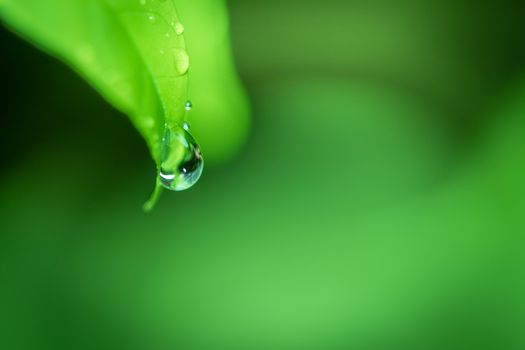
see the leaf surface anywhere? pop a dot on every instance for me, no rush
(132, 52)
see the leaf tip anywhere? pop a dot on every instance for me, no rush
(153, 199)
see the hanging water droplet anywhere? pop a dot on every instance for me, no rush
(152, 18)
(188, 105)
(182, 61)
(186, 125)
(179, 28)
(181, 160)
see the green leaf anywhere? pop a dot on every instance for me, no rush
(220, 117)
(132, 52)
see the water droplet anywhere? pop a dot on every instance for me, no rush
(182, 61)
(181, 159)
(179, 28)
(188, 105)
(186, 125)
(152, 18)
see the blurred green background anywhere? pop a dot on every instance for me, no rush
(377, 203)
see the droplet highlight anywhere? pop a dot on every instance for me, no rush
(186, 126)
(181, 159)
(152, 18)
(188, 106)
(179, 28)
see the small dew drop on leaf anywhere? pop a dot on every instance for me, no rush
(152, 18)
(182, 61)
(179, 28)
(186, 126)
(181, 160)
(188, 105)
